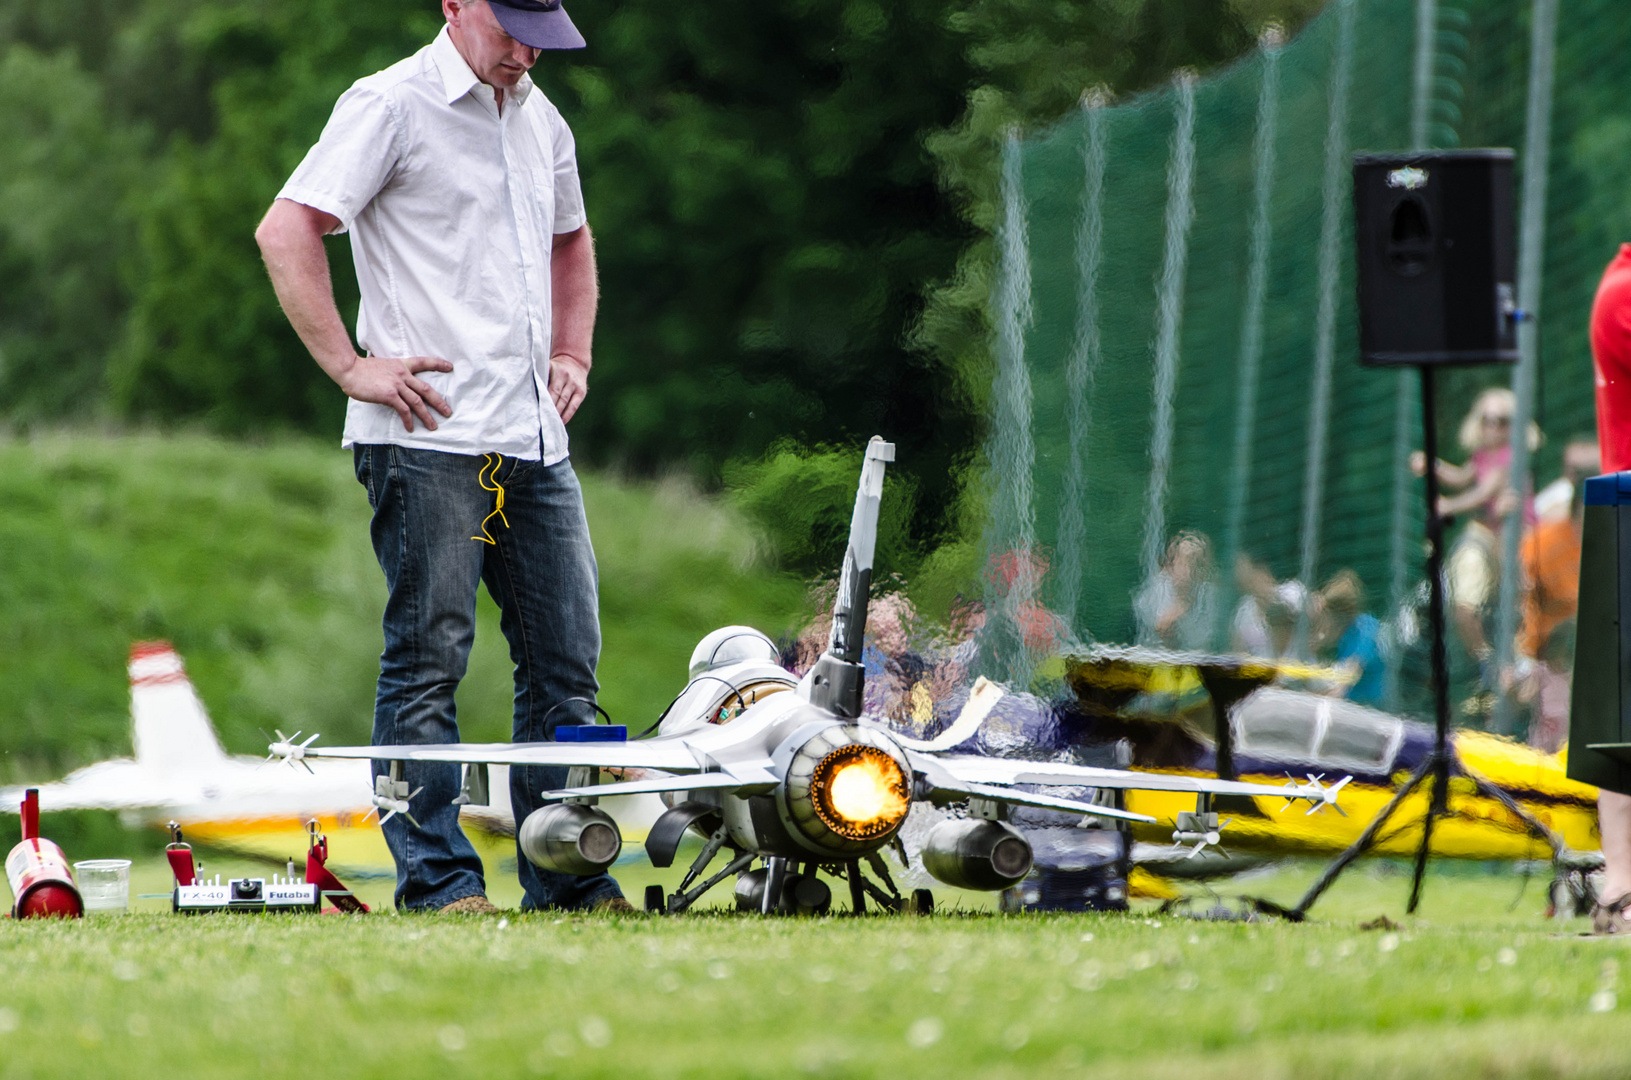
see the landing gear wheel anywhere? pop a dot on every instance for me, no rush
(655, 901)
(806, 894)
(922, 902)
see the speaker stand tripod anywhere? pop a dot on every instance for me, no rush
(1441, 763)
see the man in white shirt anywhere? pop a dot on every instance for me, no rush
(458, 182)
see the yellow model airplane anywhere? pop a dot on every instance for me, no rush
(1255, 731)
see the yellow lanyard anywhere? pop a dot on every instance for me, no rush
(489, 482)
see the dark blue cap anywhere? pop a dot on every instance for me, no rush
(1611, 490)
(541, 24)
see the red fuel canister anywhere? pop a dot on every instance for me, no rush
(38, 872)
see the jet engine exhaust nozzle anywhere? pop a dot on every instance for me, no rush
(859, 792)
(970, 854)
(847, 790)
(570, 838)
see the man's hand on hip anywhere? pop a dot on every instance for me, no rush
(291, 240)
(568, 384)
(390, 381)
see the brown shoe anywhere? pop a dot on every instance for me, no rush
(470, 905)
(1610, 918)
(615, 906)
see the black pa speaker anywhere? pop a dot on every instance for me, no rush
(1437, 262)
(1600, 707)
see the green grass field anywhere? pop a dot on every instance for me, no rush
(1469, 988)
(254, 561)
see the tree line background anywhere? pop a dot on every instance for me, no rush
(792, 203)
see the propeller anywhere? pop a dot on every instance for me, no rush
(287, 749)
(392, 795)
(1318, 795)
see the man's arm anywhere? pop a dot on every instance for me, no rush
(575, 294)
(291, 243)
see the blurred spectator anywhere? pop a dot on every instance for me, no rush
(1174, 607)
(812, 640)
(1018, 575)
(1483, 490)
(1342, 627)
(889, 653)
(911, 665)
(1266, 616)
(1550, 557)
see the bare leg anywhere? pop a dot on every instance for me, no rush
(1614, 819)
(1470, 626)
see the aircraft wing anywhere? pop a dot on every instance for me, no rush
(721, 781)
(1051, 802)
(63, 796)
(968, 769)
(945, 786)
(669, 755)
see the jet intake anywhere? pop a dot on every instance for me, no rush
(570, 838)
(973, 854)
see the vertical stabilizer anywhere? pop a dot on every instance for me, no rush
(170, 728)
(836, 681)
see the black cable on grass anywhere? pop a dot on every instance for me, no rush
(563, 701)
(1523, 884)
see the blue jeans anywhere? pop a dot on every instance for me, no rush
(541, 571)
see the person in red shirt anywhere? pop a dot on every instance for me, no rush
(1611, 357)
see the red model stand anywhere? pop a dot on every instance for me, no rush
(319, 874)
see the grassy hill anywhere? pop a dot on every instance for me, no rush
(254, 561)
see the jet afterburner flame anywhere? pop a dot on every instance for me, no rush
(860, 792)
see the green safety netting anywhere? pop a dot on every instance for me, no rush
(1176, 328)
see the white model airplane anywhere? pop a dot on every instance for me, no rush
(789, 773)
(181, 773)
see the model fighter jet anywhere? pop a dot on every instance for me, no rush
(788, 772)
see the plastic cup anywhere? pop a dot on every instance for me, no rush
(104, 885)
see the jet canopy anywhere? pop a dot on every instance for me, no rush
(732, 645)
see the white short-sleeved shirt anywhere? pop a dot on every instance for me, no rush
(453, 209)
